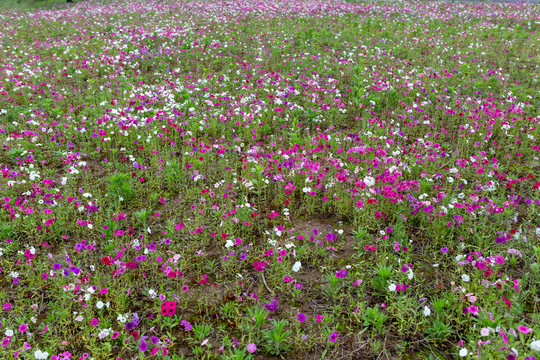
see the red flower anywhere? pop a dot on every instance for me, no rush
(131, 265)
(135, 334)
(107, 260)
(168, 308)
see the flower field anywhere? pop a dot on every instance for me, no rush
(242, 179)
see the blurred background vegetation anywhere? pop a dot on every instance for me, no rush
(30, 4)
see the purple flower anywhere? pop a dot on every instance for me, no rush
(57, 266)
(272, 306)
(404, 269)
(444, 250)
(143, 346)
(301, 317)
(333, 337)
(130, 326)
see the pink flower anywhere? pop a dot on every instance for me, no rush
(523, 329)
(473, 310)
(168, 308)
(505, 338)
(251, 348)
(23, 328)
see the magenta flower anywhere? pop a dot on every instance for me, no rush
(251, 348)
(23, 328)
(333, 337)
(94, 322)
(524, 329)
(301, 317)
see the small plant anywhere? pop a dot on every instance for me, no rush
(332, 286)
(439, 305)
(120, 187)
(438, 330)
(201, 331)
(276, 338)
(237, 354)
(373, 318)
(383, 273)
(142, 216)
(257, 317)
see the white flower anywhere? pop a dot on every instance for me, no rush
(229, 243)
(410, 274)
(297, 265)
(535, 345)
(463, 352)
(465, 277)
(86, 195)
(538, 231)
(427, 311)
(9, 332)
(485, 331)
(514, 351)
(100, 304)
(369, 181)
(121, 318)
(79, 318)
(392, 287)
(41, 354)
